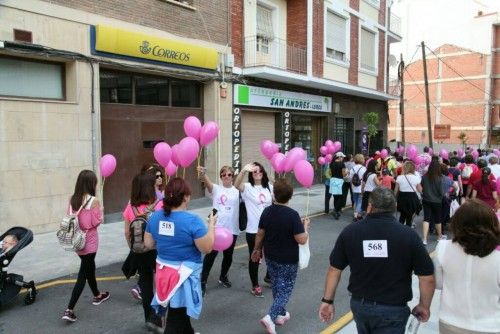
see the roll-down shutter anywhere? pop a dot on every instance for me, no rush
(255, 127)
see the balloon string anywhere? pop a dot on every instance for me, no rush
(307, 205)
(199, 156)
(184, 172)
(102, 187)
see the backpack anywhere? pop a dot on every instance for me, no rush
(467, 172)
(137, 228)
(356, 180)
(69, 234)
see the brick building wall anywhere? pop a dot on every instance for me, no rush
(318, 41)
(454, 100)
(208, 21)
(354, 57)
(237, 18)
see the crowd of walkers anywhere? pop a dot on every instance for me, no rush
(172, 246)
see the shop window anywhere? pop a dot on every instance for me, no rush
(186, 94)
(336, 37)
(32, 79)
(151, 90)
(116, 87)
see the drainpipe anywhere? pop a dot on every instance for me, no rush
(309, 38)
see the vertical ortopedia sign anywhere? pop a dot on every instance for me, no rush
(286, 131)
(236, 140)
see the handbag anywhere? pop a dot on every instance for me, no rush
(69, 234)
(336, 186)
(419, 208)
(129, 267)
(242, 219)
(304, 255)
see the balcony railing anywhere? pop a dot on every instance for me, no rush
(276, 53)
(395, 24)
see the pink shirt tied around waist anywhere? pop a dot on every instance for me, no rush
(89, 220)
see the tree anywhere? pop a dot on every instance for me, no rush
(463, 139)
(371, 120)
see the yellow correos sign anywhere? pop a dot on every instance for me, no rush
(138, 45)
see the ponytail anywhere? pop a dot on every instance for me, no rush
(175, 192)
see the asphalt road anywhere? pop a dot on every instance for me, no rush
(225, 311)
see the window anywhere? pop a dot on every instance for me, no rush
(32, 79)
(265, 32)
(116, 87)
(185, 94)
(367, 50)
(151, 90)
(336, 37)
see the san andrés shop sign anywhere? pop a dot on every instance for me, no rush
(280, 99)
(115, 41)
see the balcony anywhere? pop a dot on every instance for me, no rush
(395, 26)
(275, 53)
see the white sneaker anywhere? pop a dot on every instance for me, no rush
(443, 237)
(268, 324)
(424, 242)
(282, 319)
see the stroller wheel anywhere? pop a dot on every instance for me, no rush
(31, 294)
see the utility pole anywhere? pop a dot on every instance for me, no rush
(401, 70)
(427, 103)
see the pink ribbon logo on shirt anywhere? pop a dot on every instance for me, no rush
(223, 199)
(262, 198)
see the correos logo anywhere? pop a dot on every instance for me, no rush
(158, 51)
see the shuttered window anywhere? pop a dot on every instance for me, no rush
(336, 37)
(264, 22)
(256, 126)
(367, 48)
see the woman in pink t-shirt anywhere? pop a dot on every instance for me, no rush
(90, 217)
(143, 200)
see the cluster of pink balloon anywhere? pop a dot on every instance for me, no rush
(295, 160)
(328, 150)
(186, 151)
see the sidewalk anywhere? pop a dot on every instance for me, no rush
(45, 260)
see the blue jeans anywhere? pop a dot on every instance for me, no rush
(357, 201)
(374, 318)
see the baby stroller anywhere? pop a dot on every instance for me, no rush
(11, 284)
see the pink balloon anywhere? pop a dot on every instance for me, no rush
(268, 148)
(496, 152)
(431, 151)
(223, 239)
(411, 151)
(337, 145)
(162, 153)
(209, 131)
(323, 150)
(401, 150)
(187, 151)
(331, 149)
(321, 160)
(328, 158)
(460, 153)
(192, 127)
(107, 165)
(368, 161)
(304, 173)
(175, 155)
(475, 154)
(328, 142)
(417, 159)
(277, 162)
(443, 153)
(294, 155)
(171, 168)
(383, 153)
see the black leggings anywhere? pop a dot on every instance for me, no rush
(178, 322)
(227, 260)
(145, 268)
(253, 267)
(86, 273)
(406, 218)
(328, 196)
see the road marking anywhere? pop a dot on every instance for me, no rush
(339, 324)
(73, 280)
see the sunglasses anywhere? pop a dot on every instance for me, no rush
(227, 174)
(158, 176)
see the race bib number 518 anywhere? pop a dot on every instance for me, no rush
(375, 248)
(166, 228)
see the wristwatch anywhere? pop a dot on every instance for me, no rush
(328, 301)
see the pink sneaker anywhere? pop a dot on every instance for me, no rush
(282, 319)
(268, 324)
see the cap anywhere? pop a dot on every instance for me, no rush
(339, 155)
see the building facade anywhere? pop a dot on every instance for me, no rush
(335, 52)
(464, 91)
(81, 79)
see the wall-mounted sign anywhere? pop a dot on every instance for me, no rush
(286, 131)
(236, 140)
(138, 45)
(442, 131)
(280, 99)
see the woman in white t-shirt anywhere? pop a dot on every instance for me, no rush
(359, 170)
(407, 191)
(257, 194)
(370, 182)
(226, 199)
(467, 270)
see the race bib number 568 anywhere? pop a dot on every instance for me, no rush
(375, 248)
